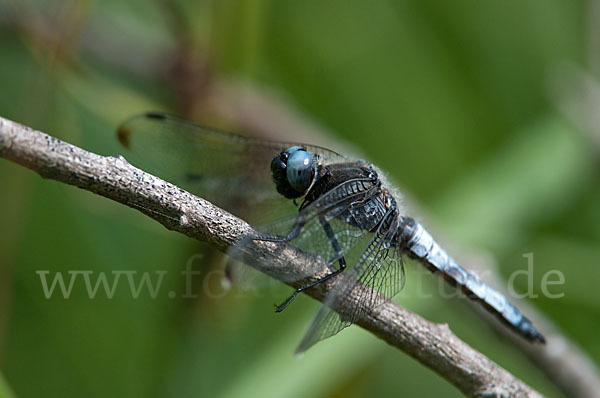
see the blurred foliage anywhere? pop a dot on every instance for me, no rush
(455, 100)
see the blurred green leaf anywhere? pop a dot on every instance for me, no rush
(543, 170)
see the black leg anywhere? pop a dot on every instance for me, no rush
(334, 242)
(341, 262)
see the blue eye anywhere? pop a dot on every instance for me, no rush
(300, 171)
(293, 149)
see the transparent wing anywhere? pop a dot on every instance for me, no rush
(245, 278)
(327, 227)
(377, 276)
(230, 170)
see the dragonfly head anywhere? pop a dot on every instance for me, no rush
(293, 172)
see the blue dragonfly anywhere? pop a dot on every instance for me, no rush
(336, 207)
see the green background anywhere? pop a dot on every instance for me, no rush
(474, 107)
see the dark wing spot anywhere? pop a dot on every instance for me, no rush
(155, 115)
(123, 134)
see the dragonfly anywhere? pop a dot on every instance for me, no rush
(338, 208)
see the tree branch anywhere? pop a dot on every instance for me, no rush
(433, 345)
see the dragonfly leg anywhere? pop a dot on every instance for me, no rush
(341, 262)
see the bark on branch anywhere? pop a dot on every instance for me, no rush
(434, 345)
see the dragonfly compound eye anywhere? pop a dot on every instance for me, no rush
(300, 171)
(278, 166)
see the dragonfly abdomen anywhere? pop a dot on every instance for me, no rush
(421, 246)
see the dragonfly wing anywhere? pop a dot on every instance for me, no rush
(326, 228)
(245, 278)
(377, 276)
(229, 170)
